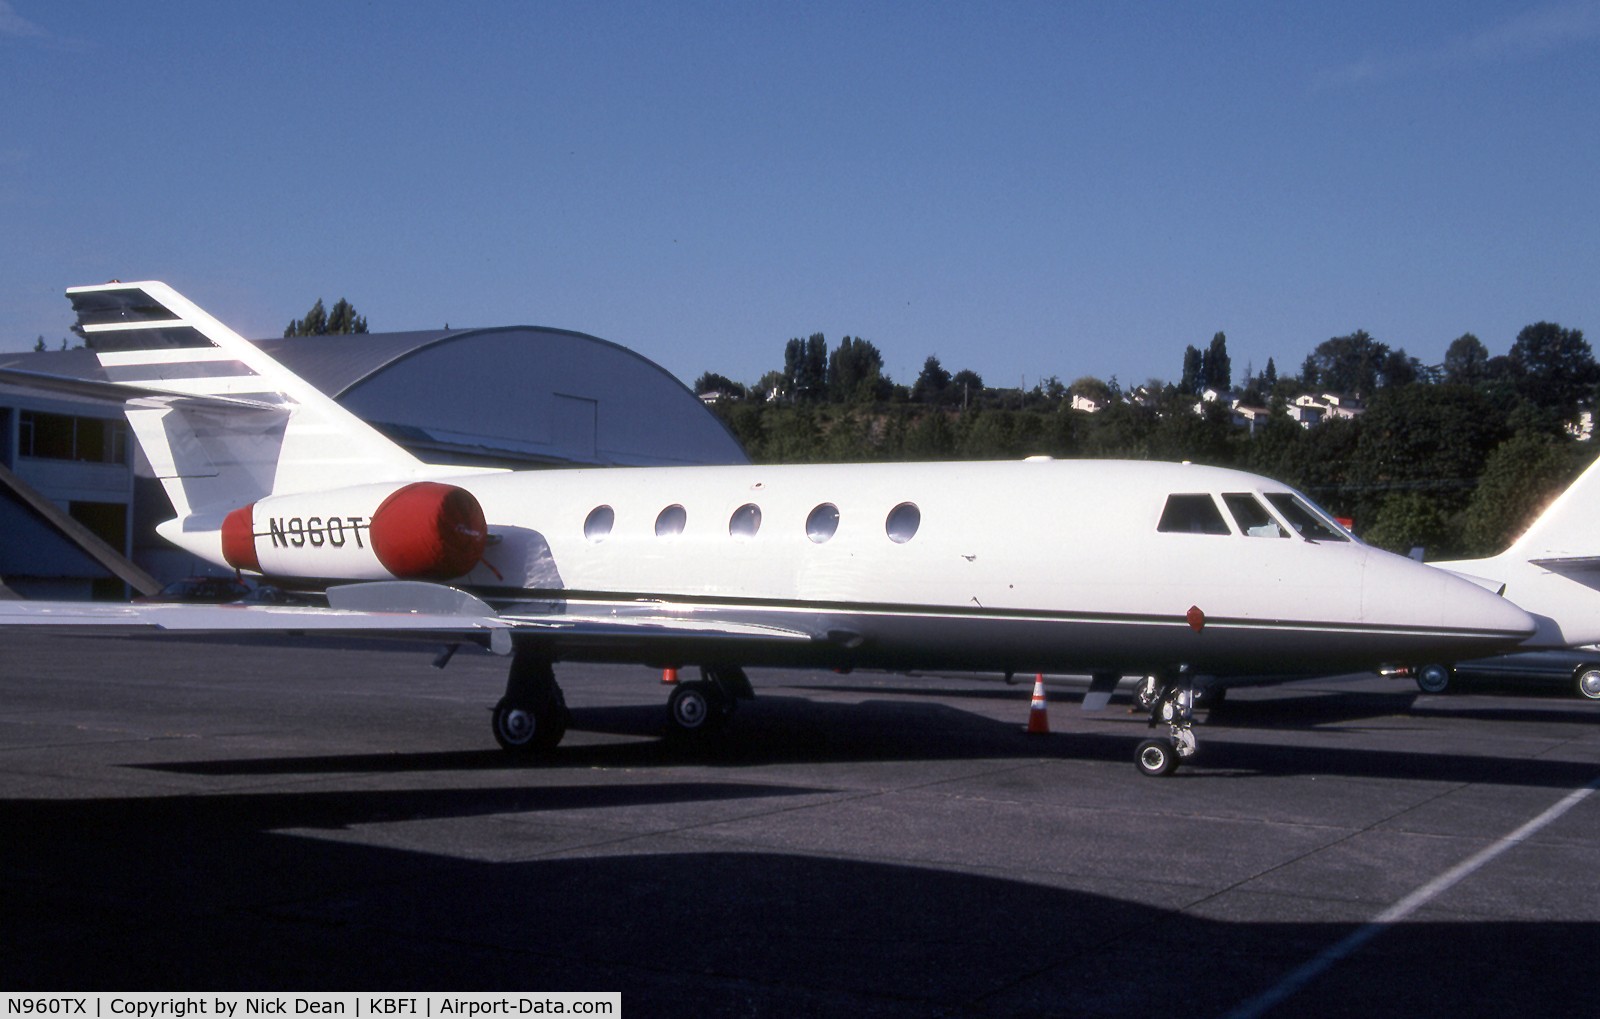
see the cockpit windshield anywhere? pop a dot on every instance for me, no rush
(1192, 514)
(1252, 517)
(1305, 518)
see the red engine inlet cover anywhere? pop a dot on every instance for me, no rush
(239, 539)
(429, 531)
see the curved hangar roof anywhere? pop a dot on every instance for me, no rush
(515, 395)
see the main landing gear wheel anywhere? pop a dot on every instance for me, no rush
(1157, 757)
(1433, 678)
(529, 728)
(532, 717)
(698, 708)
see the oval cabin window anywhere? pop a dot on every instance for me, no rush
(903, 522)
(823, 521)
(746, 521)
(671, 521)
(598, 524)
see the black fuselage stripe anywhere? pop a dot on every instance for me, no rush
(668, 602)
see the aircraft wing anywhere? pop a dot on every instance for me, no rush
(403, 610)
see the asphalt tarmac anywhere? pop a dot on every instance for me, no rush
(268, 816)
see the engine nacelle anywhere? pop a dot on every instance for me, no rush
(423, 530)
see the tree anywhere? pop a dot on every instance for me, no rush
(1270, 376)
(771, 386)
(343, 319)
(1409, 520)
(805, 368)
(1189, 384)
(1519, 480)
(855, 373)
(1310, 375)
(931, 438)
(1466, 361)
(711, 382)
(1349, 364)
(38, 344)
(1217, 368)
(1399, 369)
(932, 383)
(1555, 366)
(1091, 388)
(965, 385)
(1432, 440)
(318, 322)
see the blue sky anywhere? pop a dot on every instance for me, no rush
(1024, 189)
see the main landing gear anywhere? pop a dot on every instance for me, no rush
(532, 717)
(1171, 702)
(703, 706)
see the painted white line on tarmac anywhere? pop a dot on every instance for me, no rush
(1405, 907)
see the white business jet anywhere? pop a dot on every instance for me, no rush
(1111, 568)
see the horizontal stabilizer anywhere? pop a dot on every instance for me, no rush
(1570, 564)
(122, 391)
(202, 426)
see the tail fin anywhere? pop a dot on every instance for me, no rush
(1569, 528)
(1553, 570)
(222, 423)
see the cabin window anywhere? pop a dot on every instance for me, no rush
(1252, 517)
(823, 521)
(903, 522)
(1303, 518)
(1192, 514)
(670, 521)
(598, 524)
(746, 521)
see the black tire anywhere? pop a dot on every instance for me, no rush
(697, 708)
(1157, 757)
(1588, 684)
(1433, 679)
(529, 729)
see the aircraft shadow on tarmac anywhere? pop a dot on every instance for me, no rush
(782, 730)
(207, 893)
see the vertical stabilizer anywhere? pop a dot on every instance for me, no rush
(1553, 570)
(1569, 528)
(222, 423)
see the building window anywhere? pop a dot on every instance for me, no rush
(65, 437)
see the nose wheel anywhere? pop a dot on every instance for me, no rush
(1171, 703)
(1157, 757)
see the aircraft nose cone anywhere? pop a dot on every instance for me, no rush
(1467, 620)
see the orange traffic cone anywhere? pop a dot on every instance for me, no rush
(669, 675)
(1038, 718)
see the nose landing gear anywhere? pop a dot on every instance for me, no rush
(1171, 702)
